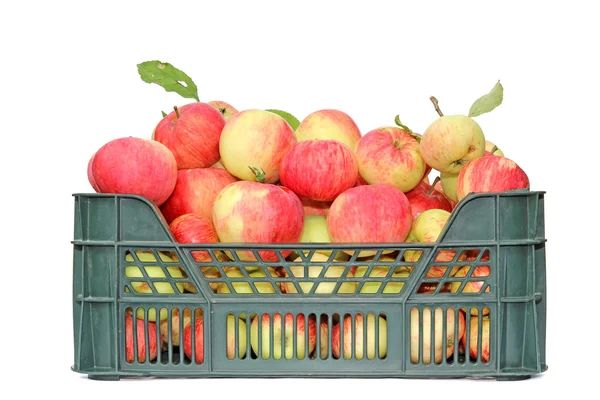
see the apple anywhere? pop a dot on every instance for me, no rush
(420, 324)
(137, 166)
(425, 197)
(360, 181)
(218, 164)
(329, 124)
(226, 109)
(243, 287)
(141, 339)
(314, 270)
(489, 146)
(429, 225)
(490, 174)
(315, 231)
(175, 326)
(314, 207)
(252, 144)
(242, 333)
(358, 338)
(451, 141)
(474, 336)
(198, 340)
(192, 133)
(90, 175)
(276, 336)
(390, 155)
(195, 192)
(380, 271)
(377, 213)
(482, 271)
(449, 181)
(253, 212)
(194, 228)
(156, 275)
(324, 340)
(319, 169)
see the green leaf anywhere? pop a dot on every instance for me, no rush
(164, 114)
(488, 102)
(169, 77)
(293, 121)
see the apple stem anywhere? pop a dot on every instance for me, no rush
(176, 111)
(494, 149)
(259, 173)
(401, 125)
(435, 181)
(436, 105)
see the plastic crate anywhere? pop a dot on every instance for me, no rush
(126, 263)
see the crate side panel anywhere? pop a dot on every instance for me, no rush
(517, 271)
(98, 217)
(540, 290)
(139, 221)
(513, 329)
(513, 218)
(474, 221)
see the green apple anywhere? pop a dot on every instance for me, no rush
(241, 336)
(451, 141)
(448, 181)
(313, 272)
(287, 336)
(315, 231)
(422, 321)
(429, 224)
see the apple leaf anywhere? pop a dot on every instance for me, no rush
(169, 77)
(293, 121)
(488, 102)
(164, 114)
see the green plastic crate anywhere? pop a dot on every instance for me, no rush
(127, 264)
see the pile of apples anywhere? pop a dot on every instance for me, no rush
(217, 174)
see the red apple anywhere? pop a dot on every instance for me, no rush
(91, 175)
(314, 207)
(390, 155)
(425, 197)
(141, 339)
(192, 133)
(226, 109)
(376, 213)
(132, 165)
(194, 228)
(329, 124)
(319, 169)
(252, 212)
(195, 192)
(490, 174)
(198, 340)
(253, 142)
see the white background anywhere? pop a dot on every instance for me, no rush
(70, 84)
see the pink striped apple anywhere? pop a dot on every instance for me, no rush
(390, 155)
(451, 141)
(253, 212)
(319, 169)
(490, 174)
(192, 133)
(283, 336)
(329, 124)
(376, 213)
(195, 192)
(425, 197)
(194, 228)
(252, 144)
(132, 165)
(226, 109)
